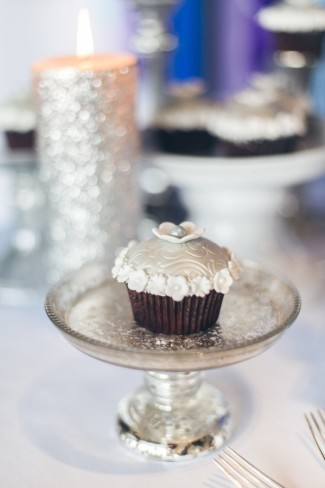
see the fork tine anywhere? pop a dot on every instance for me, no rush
(321, 422)
(322, 417)
(251, 468)
(235, 471)
(242, 471)
(231, 472)
(316, 426)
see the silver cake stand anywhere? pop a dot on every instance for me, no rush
(175, 415)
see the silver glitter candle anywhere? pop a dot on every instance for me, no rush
(88, 148)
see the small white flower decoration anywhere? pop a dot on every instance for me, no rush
(138, 280)
(200, 286)
(186, 231)
(120, 259)
(156, 284)
(222, 281)
(118, 264)
(177, 288)
(115, 271)
(123, 273)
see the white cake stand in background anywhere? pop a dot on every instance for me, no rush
(174, 416)
(239, 201)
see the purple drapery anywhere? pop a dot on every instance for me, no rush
(241, 47)
(233, 59)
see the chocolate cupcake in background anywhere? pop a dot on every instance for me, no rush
(275, 86)
(182, 129)
(181, 125)
(259, 122)
(18, 122)
(177, 280)
(297, 25)
(294, 99)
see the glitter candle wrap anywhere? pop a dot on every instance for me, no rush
(88, 147)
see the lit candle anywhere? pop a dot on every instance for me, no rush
(85, 42)
(85, 59)
(88, 147)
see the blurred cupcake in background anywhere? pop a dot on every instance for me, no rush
(295, 99)
(181, 125)
(18, 122)
(258, 122)
(298, 27)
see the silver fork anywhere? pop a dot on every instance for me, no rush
(242, 472)
(316, 425)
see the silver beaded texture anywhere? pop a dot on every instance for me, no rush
(89, 161)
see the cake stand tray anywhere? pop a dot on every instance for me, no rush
(281, 169)
(174, 416)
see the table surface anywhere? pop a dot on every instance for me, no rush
(57, 410)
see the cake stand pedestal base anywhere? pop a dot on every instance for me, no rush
(174, 416)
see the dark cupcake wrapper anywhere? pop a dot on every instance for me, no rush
(20, 140)
(283, 145)
(194, 142)
(304, 42)
(163, 315)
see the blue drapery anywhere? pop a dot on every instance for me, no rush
(188, 24)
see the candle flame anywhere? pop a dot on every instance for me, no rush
(85, 43)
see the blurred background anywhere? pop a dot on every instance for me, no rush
(186, 49)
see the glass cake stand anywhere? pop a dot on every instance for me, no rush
(175, 415)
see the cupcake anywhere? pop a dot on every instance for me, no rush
(181, 125)
(256, 122)
(298, 25)
(294, 97)
(289, 96)
(18, 122)
(177, 280)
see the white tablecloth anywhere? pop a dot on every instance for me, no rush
(57, 411)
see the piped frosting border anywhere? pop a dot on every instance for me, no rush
(283, 17)
(176, 287)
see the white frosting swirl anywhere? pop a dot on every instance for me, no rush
(18, 114)
(193, 267)
(186, 115)
(285, 17)
(254, 114)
